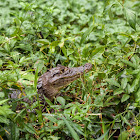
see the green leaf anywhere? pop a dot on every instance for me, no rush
(5, 110)
(43, 41)
(101, 75)
(1, 62)
(102, 137)
(14, 131)
(72, 131)
(135, 82)
(104, 127)
(70, 51)
(99, 100)
(64, 50)
(124, 83)
(118, 91)
(4, 120)
(128, 88)
(52, 49)
(113, 82)
(124, 135)
(2, 95)
(137, 95)
(125, 97)
(22, 60)
(3, 101)
(29, 128)
(53, 138)
(137, 130)
(61, 100)
(131, 17)
(98, 52)
(84, 36)
(39, 65)
(48, 101)
(125, 120)
(128, 63)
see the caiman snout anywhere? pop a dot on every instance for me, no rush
(88, 66)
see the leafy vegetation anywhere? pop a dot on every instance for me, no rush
(38, 35)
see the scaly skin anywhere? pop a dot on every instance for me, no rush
(50, 83)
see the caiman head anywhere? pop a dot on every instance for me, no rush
(50, 83)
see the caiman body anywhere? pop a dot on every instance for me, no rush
(51, 82)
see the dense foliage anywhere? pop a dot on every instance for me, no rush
(38, 35)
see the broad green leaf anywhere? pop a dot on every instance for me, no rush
(84, 36)
(128, 88)
(135, 82)
(109, 7)
(97, 52)
(134, 61)
(61, 100)
(43, 41)
(124, 83)
(125, 97)
(48, 101)
(78, 128)
(118, 91)
(52, 49)
(110, 13)
(99, 100)
(113, 82)
(43, 47)
(22, 60)
(137, 59)
(14, 131)
(5, 110)
(70, 51)
(1, 95)
(39, 65)
(64, 50)
(72, 131)
(3, 101)
(4, 120)
(131, 17)
(101, 75)
(128, 63)
(29, 128)
(27, 75)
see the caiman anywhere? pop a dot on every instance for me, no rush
(51, 82)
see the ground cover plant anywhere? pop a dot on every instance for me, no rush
(37, 35)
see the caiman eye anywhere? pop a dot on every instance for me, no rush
(57, 73)
(63, 70)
